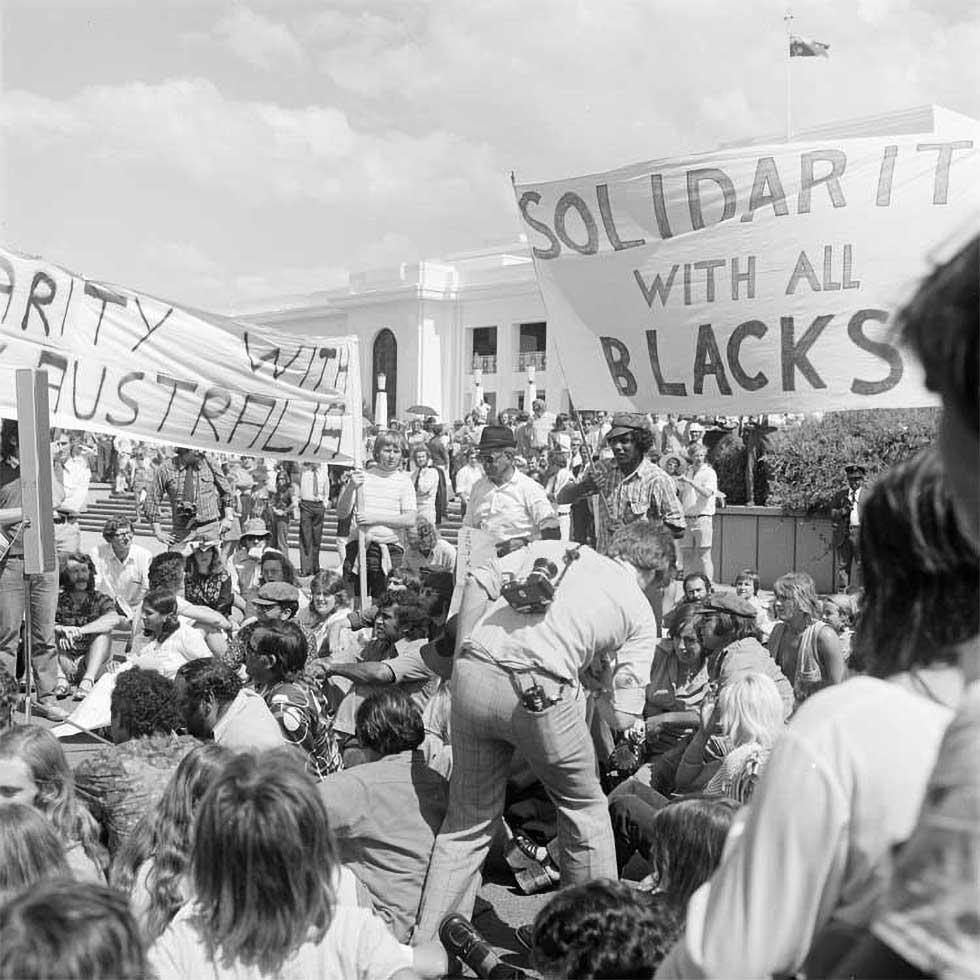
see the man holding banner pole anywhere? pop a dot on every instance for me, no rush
(35, 596)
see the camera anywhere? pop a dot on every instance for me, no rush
(534, 593)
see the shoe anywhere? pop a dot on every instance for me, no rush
(462, 939)
(84, 689)
(46, 708)
(525, 936)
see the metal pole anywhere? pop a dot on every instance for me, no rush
(28, 650)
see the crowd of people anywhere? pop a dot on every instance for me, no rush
(289, 782)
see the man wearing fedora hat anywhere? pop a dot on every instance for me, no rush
(846, 514)
(630, 486)
(508, 505)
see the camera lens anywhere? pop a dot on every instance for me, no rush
(545, 567)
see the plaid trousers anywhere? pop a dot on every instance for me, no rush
(488, 724)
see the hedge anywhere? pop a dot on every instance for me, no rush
(805, 464)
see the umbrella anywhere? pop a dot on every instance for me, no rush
(422, 410)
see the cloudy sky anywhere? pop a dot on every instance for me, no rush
(219, 153)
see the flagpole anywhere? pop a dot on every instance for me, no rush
(789, 77)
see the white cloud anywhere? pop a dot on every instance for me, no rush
(260, 41)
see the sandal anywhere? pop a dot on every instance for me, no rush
(84, 689)
(62, 689)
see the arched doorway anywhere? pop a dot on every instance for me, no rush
(385, 361)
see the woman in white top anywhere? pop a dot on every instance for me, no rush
(171, 643)
(389, 507)
(845, 782)
(425, 477)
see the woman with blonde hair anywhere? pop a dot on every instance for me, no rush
(752, 719)
(804, 647)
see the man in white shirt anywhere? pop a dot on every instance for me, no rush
(519, 683)
(509, 506)
(314, 488)
(697, 490)
(467, 477)
(122, 569)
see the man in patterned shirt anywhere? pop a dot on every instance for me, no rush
(200, 497)
(630, 487)
(274, 662)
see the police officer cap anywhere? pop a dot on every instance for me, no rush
(624, 422)
(728, 602)
(497, 437)
(854, 468)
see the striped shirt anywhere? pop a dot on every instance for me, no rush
(386, 497)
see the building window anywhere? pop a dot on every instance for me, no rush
(532, 342)
(521, 398)
(384, 361)
(484, 355)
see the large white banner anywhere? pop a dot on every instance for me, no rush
(121, 361)
(749, 280)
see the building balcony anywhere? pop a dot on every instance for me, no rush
(487, 363)
(532, 358)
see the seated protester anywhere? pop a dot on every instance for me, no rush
(327, 618)
(168, 644)
(386, 813)
(208, 583)
(726, 629)
(751, 718)
(84, 621)
(151, 866)
(275, 602)
(697, 586)
(215, 704)
(746, 586)
(851, 772)
(603, 929)
(34, 770)
(274, 566)
(751, 713)
(262, 870)
(30, 850)
(427, 550)
(402, 624)
(167, 573)
(251, 546)
(678, 683)
(121, 783)
(276, 657)
(806, 649)
(66, 928)
(683, 844)
(837, 612)
(122, 568)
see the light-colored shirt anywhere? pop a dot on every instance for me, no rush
(599, 623)
(248, 725)
(699, 502)
(466, 478)
(126, 581)
(515, 510)
(385, 816)
(357, 946)
(442, 558)
(843, 786)
(386, 497)
(930, 912)
(313, 483)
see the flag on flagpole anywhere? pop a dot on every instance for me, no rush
(803, 47)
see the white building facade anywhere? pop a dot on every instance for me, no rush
(441, 333)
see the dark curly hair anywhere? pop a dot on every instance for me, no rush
(166, 571)
(144, 702)
(285, 644)
(81, 559)
(206, 678)
(288, 569)
(389, 722)
(604, 929)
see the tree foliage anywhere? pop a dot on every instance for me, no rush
(806, 463)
